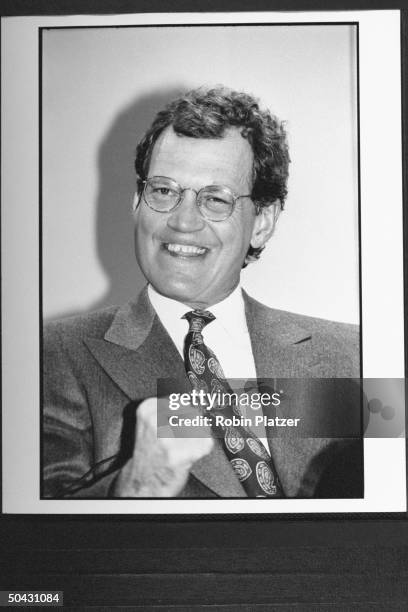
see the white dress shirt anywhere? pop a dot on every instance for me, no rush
(227, 335)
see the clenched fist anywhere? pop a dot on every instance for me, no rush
(159, 466)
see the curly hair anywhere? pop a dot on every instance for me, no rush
(207, 113)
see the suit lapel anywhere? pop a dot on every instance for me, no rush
(136, 370)
(282, 350)
(215, 472)
(281, 347)
(135, 352)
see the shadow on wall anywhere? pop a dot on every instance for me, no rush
(117, 182)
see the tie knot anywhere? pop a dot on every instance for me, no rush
(198, 319)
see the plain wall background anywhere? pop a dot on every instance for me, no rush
(101, 89)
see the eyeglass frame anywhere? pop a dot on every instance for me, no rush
(183, 189)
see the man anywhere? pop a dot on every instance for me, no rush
(212, 173)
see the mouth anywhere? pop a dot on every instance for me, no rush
(184, 250)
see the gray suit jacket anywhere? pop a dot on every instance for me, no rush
(98, 367)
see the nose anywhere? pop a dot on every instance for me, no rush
(186, 217)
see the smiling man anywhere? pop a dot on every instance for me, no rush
(211, 174)
(191, 253)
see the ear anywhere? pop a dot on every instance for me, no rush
(264, 225)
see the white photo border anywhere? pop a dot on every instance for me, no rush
(381, 244)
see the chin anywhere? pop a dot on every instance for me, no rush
(175, 292)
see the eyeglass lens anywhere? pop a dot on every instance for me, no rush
(215, 203)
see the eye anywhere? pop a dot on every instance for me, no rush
(162, 191)
(217, 203)
(216, 200)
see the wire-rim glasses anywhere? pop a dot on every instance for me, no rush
(215, 202)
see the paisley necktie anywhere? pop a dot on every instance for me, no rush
(246, 453)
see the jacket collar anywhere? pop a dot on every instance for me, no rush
(280, 343)
(133, 322)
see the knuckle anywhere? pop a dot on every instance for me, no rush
(147, 410)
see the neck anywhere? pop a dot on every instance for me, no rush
(198, 304)
(206, 304)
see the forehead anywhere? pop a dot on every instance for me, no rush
(203, 161)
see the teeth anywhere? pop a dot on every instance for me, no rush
(185, 249)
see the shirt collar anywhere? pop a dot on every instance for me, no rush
(230, 312)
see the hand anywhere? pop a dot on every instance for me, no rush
(160, 465)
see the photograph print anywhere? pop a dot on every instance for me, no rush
(200, 263)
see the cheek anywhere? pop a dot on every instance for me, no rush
(144, 231)
(143, 247)
(139, 237)
(234, 249)
(239, 236)
(142, 225)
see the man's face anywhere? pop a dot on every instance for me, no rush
(209, 270)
